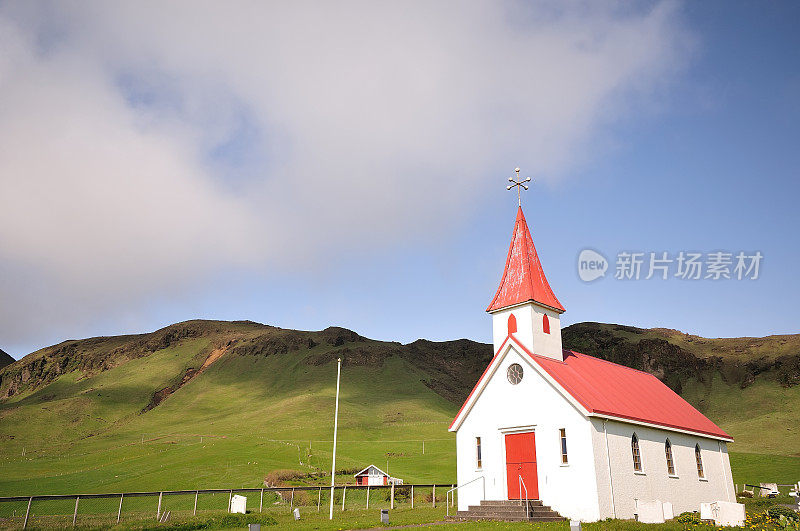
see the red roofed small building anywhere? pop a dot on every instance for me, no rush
(373, 475)
(587, 437)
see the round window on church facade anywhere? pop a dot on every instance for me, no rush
(514, 373)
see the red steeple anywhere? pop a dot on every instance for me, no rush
(523, 279)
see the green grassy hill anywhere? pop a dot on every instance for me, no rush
(207, 404)
(82, 412)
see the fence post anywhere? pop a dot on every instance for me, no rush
(28, 511)
(75, 514)
(230, 497)
(412, 496)
(158, 511)
(344, 494)
(319, 498)
(433, 496)
(194, 511)
(291, 502)
(391, 497)
(119, 511)
(261, 502)
(453, 499)
(367, 495)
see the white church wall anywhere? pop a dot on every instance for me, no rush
(601, 459)
(500, 325)
(546, 344)
(530, 330)
(685, 490)
(535, 405)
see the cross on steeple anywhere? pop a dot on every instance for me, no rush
(518, 185)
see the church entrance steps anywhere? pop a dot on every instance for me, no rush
(503, 503)
(510, 511)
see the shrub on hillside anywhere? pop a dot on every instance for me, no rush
(760, 503)
(776, 511)
(428, 498)
(277, 478)
(788, 523)
(744, 494)
(302, 498)
(400, 493)
(296, 496)
(688, 518)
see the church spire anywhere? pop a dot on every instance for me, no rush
(523, 278)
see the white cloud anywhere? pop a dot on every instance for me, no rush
(112, 187)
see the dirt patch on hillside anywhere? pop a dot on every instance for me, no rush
(214, 356)
(162, 394)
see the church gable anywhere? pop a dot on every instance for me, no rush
(497, 369)
(599, 388)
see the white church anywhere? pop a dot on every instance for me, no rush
(587, 437)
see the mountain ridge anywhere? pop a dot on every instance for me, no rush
(670, 355)
(228, 402)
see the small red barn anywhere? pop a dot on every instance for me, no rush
(373, 475)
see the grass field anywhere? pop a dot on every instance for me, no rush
(365, 519)
(247, 415)
(762, 417)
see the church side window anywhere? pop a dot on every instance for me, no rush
(545, 324)
(699, 459)
(478, 451)
(512, 324)
(563, 436)
(637, 458)
(670, 461)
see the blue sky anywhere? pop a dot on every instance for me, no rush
(688, 145)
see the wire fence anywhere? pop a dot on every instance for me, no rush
(102, 510)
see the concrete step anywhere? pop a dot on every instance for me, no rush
(515, 505)
(509, 502)
(516, 516)
(502, 515)
(521, 510)
(472, 518)
(514, 508)
(509, 511)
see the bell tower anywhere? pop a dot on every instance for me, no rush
(525, 305)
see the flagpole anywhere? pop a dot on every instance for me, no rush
(335, 428)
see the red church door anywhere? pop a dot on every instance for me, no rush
(521, 461)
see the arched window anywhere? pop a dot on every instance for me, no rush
(563, 436)
(545, 324)
(512, 324)
(670, 462)
(637, 458)
(699, 459)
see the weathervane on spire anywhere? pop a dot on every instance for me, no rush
(518, 185)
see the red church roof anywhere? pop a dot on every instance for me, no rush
(523, 278)
(607, 389)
